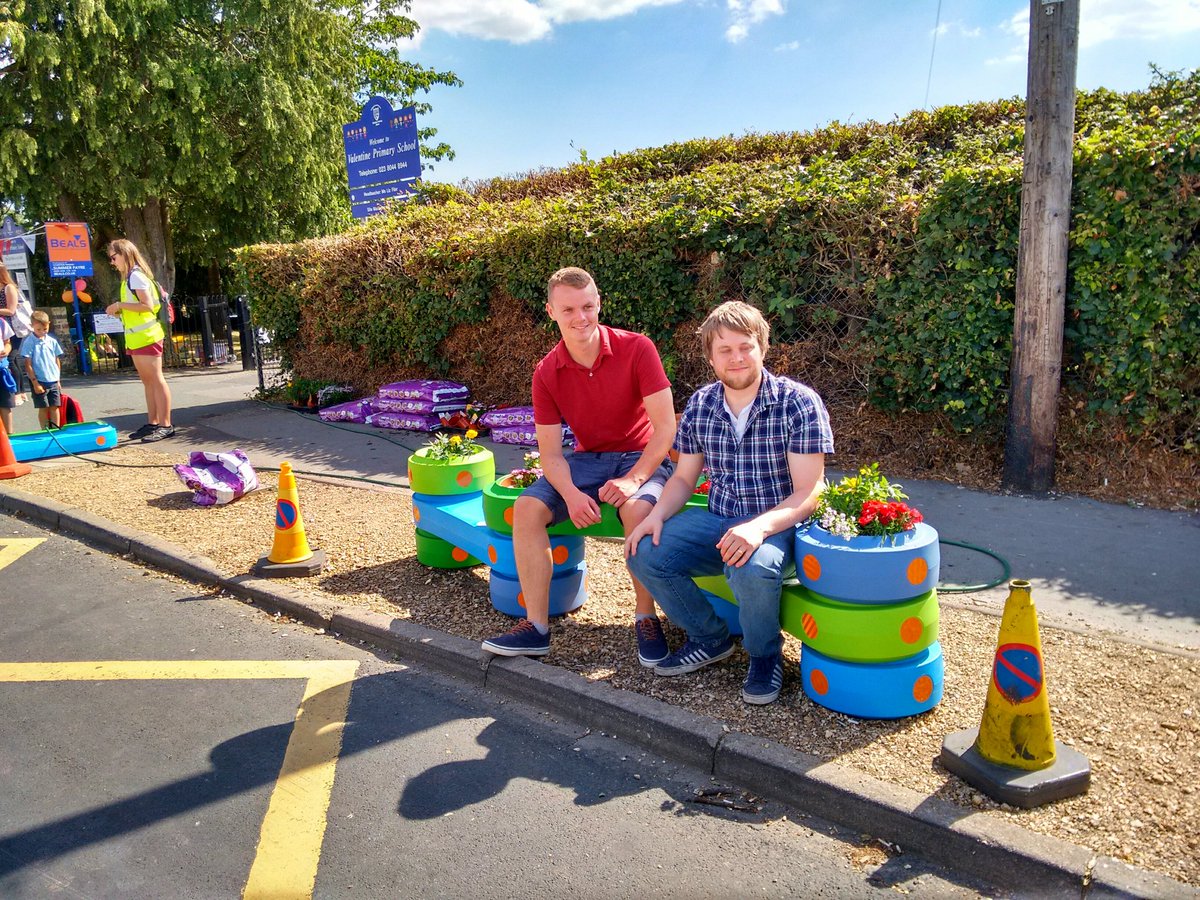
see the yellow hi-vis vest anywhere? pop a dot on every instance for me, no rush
(141, 328)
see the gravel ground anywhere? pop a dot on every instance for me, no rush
(1140, 730)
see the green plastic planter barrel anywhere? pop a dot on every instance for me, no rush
(852, 632)
(436, 553)
(499, 497)
(441, 478)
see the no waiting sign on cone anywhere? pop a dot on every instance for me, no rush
(1013, 756)
(290, 555)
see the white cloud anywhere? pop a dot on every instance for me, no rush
(747, 13)
(592, 10)
(957, 28)
(517, 21)
(1106, 20)
(789, 47)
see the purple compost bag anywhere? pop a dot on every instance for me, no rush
(523, 435)
(510, 415)
(433, 391)
(351, 411)
(425, 407)
(217, 478)
(405, 421)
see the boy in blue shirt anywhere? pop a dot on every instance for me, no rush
(41, 351)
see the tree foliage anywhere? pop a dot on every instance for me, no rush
(897, 241)
(192, 126)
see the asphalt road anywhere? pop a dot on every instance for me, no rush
(151, 747)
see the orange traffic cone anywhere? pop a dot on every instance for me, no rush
(290, 555)
(1013, 756)
(9, 467)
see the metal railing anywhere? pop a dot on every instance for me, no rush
(209, 330)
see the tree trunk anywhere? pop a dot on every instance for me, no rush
(149, 226)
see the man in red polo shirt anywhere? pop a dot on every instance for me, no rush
(609, 386)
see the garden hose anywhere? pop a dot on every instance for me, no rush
(965, 588)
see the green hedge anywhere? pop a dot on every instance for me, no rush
(910, 227)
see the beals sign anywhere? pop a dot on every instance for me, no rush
(69, 247)
(382, 156)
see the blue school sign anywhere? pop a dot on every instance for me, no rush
(382, 155)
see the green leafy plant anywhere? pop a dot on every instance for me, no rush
(866, 503)
(453, 447)
(304, 391)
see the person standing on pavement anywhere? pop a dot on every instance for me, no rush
(609, 386)
(15, 311)
(144, 335)
(8, 385)
(763, 438)
(40, 354)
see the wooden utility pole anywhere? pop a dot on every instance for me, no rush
(1042, 250)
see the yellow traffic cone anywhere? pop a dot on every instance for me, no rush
(1016, 729)
(290, 554)
(1013, 756)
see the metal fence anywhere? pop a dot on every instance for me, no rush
(208, 330)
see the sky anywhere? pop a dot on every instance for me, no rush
(546, 81)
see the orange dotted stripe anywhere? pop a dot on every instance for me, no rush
(818, 682)
(911, 630)
(812, 567)
(809, 626)
(492, 555)
(922, 689)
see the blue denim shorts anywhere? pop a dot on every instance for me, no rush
(589, 472)
(49, 398)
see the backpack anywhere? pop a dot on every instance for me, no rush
(70, 411)
(166, 308)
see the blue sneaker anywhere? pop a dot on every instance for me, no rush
(764, 679)
(523, 640)
(652, 643)
(692, 656)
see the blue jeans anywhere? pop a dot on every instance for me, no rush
(688, 548)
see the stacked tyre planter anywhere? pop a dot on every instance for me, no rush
(498, 500)
(452, 532)
(867, 613)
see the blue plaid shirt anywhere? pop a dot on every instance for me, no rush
(751, 476)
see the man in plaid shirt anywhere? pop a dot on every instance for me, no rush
(763, 438)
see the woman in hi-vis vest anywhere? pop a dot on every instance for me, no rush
(138, 309)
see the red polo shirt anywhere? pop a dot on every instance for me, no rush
(603, 404)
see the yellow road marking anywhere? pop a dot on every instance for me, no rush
(289, 844)
(12, 549)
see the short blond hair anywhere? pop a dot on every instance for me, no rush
(734, 315)
(571, 276)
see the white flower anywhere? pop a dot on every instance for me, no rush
(836, 523)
